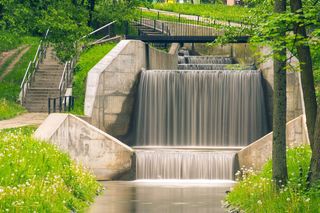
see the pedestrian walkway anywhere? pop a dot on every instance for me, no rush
(27, 119)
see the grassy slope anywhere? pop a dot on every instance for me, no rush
(10, 85)
(87, 60)
(215, 11)
(254, 193)
(36, 177)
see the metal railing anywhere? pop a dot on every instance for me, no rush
(66, 78)
(61, 104)
(33, 67)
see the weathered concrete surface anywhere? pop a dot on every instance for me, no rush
(295, 101)
(106, 156)
(259, 152)
(112, 84)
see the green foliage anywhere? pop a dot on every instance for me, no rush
(256, 193)
(67, 21)
(119, 11)
(10, 85)
(36, 177)
(87, 60)
(215, 11)
(9, 109)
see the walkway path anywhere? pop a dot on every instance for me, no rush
(14, 62)
(27, 119)
(195, 18)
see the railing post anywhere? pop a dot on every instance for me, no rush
(198, 20)
(69, 106)
(162, 27)
(60, 104)
(49, 107)
(54, 105)
(179, 17)
(65, 103)
(154, 24)
(158, 15)
(72, 107)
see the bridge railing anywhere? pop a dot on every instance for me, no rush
(200, 20)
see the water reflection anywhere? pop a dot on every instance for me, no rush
(161, 196)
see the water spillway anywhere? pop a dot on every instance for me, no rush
(181, 164)
(200, 108)
(201, 105)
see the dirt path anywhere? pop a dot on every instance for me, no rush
(26, 119)
(4, 56)
(14, 62)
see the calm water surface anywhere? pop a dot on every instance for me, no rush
(161, 196)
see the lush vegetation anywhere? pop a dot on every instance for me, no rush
(87, 60)
(255, 191)
(10, 85)
(36, 177)
(9, 109)
(215, 11)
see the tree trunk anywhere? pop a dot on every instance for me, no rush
(314, 176)
(279, 160)
(307, 79)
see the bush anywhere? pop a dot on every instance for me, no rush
(36, 177)
(87, 60)
(256, 193)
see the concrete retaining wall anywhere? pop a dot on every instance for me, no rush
(106, 156)
(112, 84)
(259, 152)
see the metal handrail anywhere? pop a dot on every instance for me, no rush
(97, 30)
(66, 76)
(32, 67)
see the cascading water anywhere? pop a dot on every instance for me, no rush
(198, 108)
(172, 164)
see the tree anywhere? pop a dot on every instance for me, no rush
(279, 163)
(308, 86)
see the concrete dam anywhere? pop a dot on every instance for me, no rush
(191, 122)
(151, 114)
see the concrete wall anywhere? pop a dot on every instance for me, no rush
(259, 152)
(112, 84)
(295, 101)
(106, 156)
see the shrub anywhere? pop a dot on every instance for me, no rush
(255, 191)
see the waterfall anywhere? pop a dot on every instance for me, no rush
(200, 108)
(172, 164)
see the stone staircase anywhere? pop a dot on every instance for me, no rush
(45, 83)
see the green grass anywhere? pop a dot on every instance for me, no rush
(9, 109)
(255, 191)
(215, 11)
(87, 60)
(36, 177)
(10, 85)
